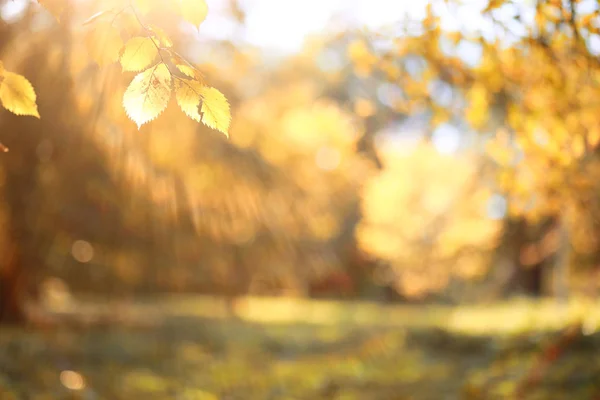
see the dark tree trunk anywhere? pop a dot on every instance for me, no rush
(23, 203)
(20, 215)
(12, 310)
(12, 288)
(530, 262)
(529, 280)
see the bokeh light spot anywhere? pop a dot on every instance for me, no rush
(72, 380)
(82, 251)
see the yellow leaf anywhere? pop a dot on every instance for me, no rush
(187, 69)
(138, 53)
(162, 36)
(215, 109)
(1, 69)
(104, 43)
(194, 11)
(148, 94)
(17, 95)
(187, 93)
(55, 7)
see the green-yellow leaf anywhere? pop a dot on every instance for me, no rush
(138, 53)
(104, 43)
(17, 95)
(148, 94)
(215, 109)
(194, 11)
(187, 93)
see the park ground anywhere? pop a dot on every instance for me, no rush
(189, 348)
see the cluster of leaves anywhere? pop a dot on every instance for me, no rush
(424, 214)
(148, 51)
(533, 91)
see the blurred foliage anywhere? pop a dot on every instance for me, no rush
(335, 176)
(427, 233)
(525, 78)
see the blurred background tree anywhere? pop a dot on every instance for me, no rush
(521, 78)
(425, 159)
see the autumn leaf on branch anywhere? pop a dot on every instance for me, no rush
(194, 11)
(215, 109)
(187, 93)
(186, 68)
(17, 94)
(138, 53)
(148, 94)
(161, 35)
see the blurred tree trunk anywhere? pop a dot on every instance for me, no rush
(508, 275)
(528, 263)
(20, 216)
(20, 211)
(525, 279)
(12, 288)
(23, 203)
(560, 270)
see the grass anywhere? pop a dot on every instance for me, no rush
(296, 349)
(510, 317)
